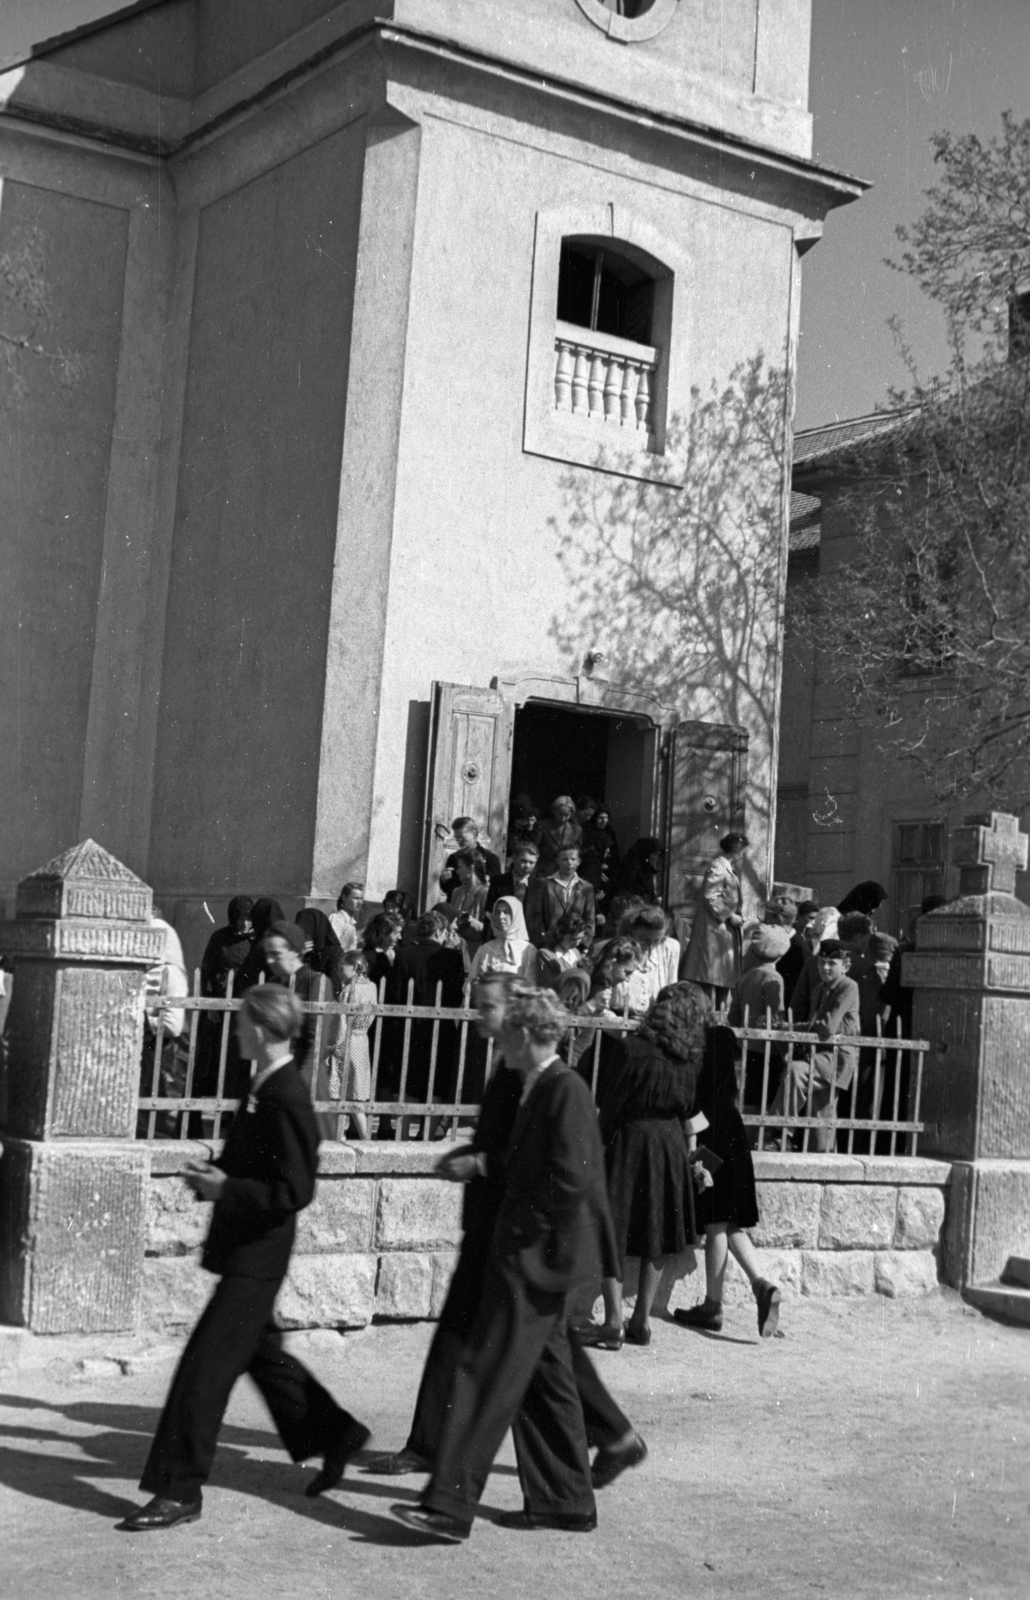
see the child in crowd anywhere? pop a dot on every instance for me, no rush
(350, 1070)
(567, 937)
(758, 998)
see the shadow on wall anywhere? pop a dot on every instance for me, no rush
(684, 585)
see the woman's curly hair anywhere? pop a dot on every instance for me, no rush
(676, 1024)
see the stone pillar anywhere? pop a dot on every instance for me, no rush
(970, 973)
(73, 1183)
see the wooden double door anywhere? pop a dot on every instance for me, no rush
(697, 790)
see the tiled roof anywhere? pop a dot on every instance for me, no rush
(802, 507)
(812, 444)
(807, 538)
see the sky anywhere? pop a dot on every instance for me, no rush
(885, 74)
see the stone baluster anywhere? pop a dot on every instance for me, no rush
(73, 1183)
(642, 399)
(563, 370)
(580, 373)
(595, 387)
(970, 973)
(613, 389)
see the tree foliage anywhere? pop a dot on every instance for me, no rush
(924, 628)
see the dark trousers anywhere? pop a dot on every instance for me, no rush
(235, 1335)
(605, 1422)
(515, 1372)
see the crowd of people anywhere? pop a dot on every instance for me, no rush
(559, 1194)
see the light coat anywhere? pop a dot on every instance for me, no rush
(713, 953)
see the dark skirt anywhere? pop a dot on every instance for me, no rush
(732, 1198)
(649, 1186)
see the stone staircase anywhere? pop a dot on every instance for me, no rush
(1010, 1296)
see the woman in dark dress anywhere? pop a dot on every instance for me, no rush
(640, 870)
(646, 1093)
(265, 912)
(227, 951)
(322, 950)
(731, 1204)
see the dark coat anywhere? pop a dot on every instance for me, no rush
(427, 964)
(449, 880)
(555, 1221)
(532, 905)
(581, 902)
(270, 1158)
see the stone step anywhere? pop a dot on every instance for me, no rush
(1000, 1300)
(1017, 1270)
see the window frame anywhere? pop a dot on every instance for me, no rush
(559, 436)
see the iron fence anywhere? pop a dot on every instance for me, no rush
(427, 1068)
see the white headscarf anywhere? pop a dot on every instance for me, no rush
(517, 936)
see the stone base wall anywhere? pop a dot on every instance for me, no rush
(381, 1236)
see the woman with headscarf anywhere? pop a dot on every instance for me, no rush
(321, 946)
(509, 950)
(643, 1098)
(265, 912)
(638, 873)
(225, 956)
(865, 897)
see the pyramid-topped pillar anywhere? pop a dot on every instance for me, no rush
(73, 1182)
(970, 973)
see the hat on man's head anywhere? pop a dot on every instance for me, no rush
(770, 941)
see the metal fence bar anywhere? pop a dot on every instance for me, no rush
(435, 1113)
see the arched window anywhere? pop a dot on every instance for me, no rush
(600, 288)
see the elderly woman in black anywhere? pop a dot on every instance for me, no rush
(646, 1092)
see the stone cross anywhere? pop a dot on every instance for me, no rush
(989, 850)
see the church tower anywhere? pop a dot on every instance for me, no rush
(404, 425)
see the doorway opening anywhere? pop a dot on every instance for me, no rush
(560, 750)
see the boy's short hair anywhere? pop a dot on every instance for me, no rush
(807, 908)
(274, 1009)
(537, 1012)
(854, 925)
(522, 845)
(570, 850)
(430, 923)
(569, 922)
(464, 822)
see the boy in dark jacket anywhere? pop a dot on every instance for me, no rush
(264, 1176)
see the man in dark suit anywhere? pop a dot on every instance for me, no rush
(466, 832)
(264, 1176)
(523, 883)
(480, 1165)
(517, 1370)
(566, 891)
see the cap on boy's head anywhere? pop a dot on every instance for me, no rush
(769, 942)
(831, 948)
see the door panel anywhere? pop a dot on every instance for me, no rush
(707, 776)
(469, 772)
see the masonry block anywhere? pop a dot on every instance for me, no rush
(857, 1216)
(920, 1219)
(782, 1267)
(789, 1214)
(417, 1213)
(177, 1222)
(405, 1285)
(328, 1291)
(900, 1272)
(339, 1219)
(72, 1227)
(837, 1272)
(444, 1263)
(175, 1291)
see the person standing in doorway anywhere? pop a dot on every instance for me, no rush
(523, 885)
(263, 1178)
(466, 835)
(713, 954)
(560, 831)
(566, 891)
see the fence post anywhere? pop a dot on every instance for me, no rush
(970, 973)
(73, 1183)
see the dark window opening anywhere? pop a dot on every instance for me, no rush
(919, 867)
(602, 290)
(1019, 326)
(558, 750)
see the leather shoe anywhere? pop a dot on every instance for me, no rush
(436, 1524)
(161, 1513)
(345, 1445)
(636, 1335)
(562, 1521)
(768, 1297)
(610, 1460)
(396, 1463)
(700, 1316)
(598, 1336)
